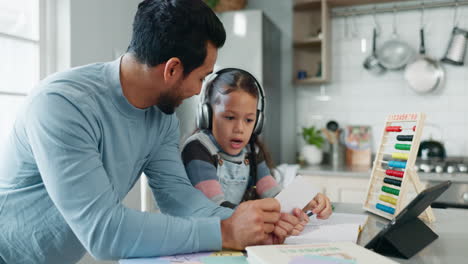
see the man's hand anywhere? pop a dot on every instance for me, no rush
(272, 239)
(285, 225)
(320, 206)
(251, 224)
(290, 225)
(303, 220)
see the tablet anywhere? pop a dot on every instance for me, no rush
(411, 211)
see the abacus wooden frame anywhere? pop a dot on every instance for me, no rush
(410, 175)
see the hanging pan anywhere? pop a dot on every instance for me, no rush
(394, 53)
(425, 74)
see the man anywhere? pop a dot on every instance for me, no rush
(85, 136)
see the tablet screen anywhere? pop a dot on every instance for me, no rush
(421, 202)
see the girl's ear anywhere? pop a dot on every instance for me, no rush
(173, 70)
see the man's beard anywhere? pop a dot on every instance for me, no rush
(167, 103)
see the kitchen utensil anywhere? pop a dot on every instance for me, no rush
(394, 54)
(301, 74)
(336, 149)
(337, 154)
(425, 74)
(328, 135)
(431, 149)
(332, 126)
(456, 49)
(371, 63)
(350, 30)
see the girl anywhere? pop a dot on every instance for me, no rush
(219, 159)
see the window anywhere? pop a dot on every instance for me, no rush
(23, 59)
(19, 46)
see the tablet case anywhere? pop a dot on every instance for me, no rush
(405, 240)
(406, 234)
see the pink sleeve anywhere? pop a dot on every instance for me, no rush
(211, 188)
(266, 185)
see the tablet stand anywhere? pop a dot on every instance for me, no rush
(405, 240)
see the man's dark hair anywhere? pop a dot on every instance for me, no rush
(163, 29)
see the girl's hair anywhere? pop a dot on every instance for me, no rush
(228, 82)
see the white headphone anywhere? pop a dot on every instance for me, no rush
(205, 112)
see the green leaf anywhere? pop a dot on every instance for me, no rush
(312, 136)
(211, 3)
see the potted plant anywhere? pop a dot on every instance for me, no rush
(312, 151)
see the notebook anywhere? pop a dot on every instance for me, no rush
(225, 257)
(324, 253)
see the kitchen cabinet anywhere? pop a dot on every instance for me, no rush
(342, 189)
(348, 189)
(312, 38)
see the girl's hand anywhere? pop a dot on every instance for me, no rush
(320, 206)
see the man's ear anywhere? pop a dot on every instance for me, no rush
(173, 69)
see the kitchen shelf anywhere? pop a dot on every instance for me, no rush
(308, 42)
(312, 80)
(307, 5)
(401, 6)
(311, 42)
(311, 37)
(338, 3)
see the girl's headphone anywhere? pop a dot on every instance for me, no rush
(205, 112)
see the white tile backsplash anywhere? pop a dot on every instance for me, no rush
(360, 98)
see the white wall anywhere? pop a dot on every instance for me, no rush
(361, 98)
(99, 29)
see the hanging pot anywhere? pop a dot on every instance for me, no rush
(424, 74)
(457, 47)
(394, 54)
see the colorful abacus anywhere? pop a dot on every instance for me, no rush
(393, 169)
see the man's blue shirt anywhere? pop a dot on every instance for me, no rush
(77, 148)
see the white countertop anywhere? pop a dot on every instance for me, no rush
(450, 225)
(363, 172)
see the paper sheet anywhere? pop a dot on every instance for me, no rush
(338, 228)
(297, 194)
(341, 218)
(318, 253)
